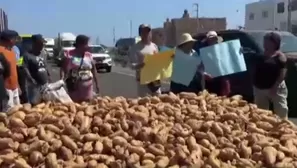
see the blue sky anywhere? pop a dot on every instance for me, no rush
(98, 17)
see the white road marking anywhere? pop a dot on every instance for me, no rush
(123, 73)
(55, 70)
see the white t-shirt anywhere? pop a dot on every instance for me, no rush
(138, 51)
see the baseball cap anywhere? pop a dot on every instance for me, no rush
(211, 34)
(143, 26)
(37, 37)
(8, 34)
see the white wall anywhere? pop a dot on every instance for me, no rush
(274, 19)
(259, 23)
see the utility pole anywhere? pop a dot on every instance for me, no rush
(131, 24)
(114, 37)
(289, 17)
(97, 40)
(196, 5)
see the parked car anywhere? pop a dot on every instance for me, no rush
(252, 45)
(101, 57)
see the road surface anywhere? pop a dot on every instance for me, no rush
(119, 82)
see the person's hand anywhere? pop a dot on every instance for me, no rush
(139, 66)
(19, 91)
(97, 89)
(33, 81)
(207, 76)
(201, 67)
(273, 91)
(49, 80)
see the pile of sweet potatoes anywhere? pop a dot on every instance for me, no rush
(168, 131)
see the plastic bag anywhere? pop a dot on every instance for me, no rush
(56, 92)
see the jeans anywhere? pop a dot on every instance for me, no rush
(143, 90)
(34, 93)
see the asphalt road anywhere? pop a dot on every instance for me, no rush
(119, 82)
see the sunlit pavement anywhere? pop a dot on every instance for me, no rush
(119, 82)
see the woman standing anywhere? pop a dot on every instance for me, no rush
(79, 71)
(218, 85)
(269, 77)
(185, 45)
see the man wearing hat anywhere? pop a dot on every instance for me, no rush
(8, 40)
(136, 56)
(36, 69)
(218, 85)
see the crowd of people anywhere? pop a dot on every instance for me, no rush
(24, 73)
(268, 76)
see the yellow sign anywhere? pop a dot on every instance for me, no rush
(157, 67)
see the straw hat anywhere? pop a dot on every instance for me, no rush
(213, 34)
(185, 38)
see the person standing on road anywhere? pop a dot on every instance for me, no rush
(185, 44)
(79, 71)
(218, 85)
(4, 74)
(21, 72)
(269, 77)
(136, 56)
(36, 69)
(8, 40)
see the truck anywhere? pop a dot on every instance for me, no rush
(49, 46)
(63, 42)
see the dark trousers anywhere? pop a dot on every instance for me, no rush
(196, 85)
(3, 93)
(23, 85)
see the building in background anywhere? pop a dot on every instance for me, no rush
(3, 20)
(174, 28)
(270, 15)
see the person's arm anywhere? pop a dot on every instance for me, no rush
(25, 66)
(282, 61)
(46, 66)
(132, 59)
(5, 66)
(94, 72)
(64, 64)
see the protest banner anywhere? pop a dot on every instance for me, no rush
(184, 67)
(157, 67)
(223, 59)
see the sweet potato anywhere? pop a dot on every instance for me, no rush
(269, 154)
(167, 130)
(36, 158)
(68, 142)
